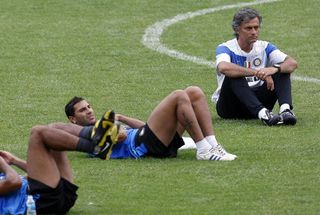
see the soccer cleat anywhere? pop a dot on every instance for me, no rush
(270, 119)
(287, 117)
(100, 127)
(104, 135)
(215, 153)
(111, 138)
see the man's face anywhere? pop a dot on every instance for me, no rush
(83, 114)
(249, 31)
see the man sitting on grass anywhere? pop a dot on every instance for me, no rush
(161, 136)
(50, 178)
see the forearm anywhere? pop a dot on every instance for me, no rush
(133, 123)
(21, 164)
(11, 159)
(12, 181)
(235, 71)
(288, 65)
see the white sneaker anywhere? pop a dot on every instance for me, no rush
(216, 153)
(223, 151)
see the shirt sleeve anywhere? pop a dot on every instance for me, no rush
(222, 54)
(275, 55)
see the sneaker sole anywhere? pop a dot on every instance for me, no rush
(102, 126)
(110, 139)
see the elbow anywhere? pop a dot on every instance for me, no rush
(11, 185)
(228, 69)
(292, 65)
(295, 65)
(16, 183)
(222, 68)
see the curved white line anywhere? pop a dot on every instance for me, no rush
(152, 35)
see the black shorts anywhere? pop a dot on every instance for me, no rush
(57, 200)
(155, 147)
(86, 132)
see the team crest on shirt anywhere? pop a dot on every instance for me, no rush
(257, 62)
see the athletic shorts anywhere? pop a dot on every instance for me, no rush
(86, 132)
(155, 147)
(57, 200)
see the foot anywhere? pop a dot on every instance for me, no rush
(104, 135)
(270, 119)
(220, 148)
(216, 153)
(287, 118)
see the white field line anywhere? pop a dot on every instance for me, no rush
(152, 35)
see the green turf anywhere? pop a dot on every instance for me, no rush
(53, 50)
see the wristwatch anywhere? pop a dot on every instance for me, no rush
(277, 65)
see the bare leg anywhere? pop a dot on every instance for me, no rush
(63, 164)
(41, 164)
(173, 110)
(201, 109)
(68, 127)
(187, 109)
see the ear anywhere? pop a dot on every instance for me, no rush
(72, 119)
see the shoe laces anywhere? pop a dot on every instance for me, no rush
(287, 111)
(269, 114)
(218, 150)
(221, 150)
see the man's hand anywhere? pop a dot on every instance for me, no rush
(8, 157)
(266, 72)
(122, 134)
(270, 83)
(13, 160)
(12, 181)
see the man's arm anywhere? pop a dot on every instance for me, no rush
(287, 66)
(14, 160)
(133, 123)
(12, 182)
(235, 71)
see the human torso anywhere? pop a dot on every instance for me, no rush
(262, 54)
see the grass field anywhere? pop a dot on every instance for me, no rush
(53, 50)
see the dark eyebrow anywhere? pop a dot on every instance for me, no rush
(84, 108)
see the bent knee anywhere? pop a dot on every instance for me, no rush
(179, 95)
(194, 92)
(37, 131)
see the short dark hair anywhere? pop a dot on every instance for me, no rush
(69, 108)
(244, 15)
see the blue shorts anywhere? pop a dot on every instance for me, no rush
(143, 142)
(128, 148)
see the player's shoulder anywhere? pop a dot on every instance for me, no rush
(227, 47)
(230, 43)
(264, 46)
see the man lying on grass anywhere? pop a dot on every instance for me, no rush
(160, 136)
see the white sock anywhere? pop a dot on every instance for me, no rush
(262, 113)
(284, 107)
(212, 140)
(203, 145)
